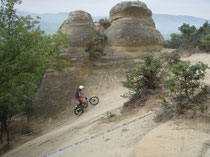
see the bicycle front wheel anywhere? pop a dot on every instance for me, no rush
(94, 100)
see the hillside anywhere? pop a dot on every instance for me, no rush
(122, 62)
(104, 131)
(166, 24)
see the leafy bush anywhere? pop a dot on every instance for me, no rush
(97, 49)
(145, 77)
(186, 78)
(174, 42)
(104, 23)
(201, 96)
(184, 82)
(171, 59)
(61, 64)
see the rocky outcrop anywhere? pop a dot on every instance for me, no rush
(132, 25)
(130, 9)
(132, 30)
(55, 93)
(80, 28)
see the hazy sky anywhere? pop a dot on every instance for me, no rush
(197, 8)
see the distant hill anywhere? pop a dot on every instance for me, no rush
(166, 24)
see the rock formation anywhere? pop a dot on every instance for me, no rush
(131, 29)
(80, 28)
(132, 26)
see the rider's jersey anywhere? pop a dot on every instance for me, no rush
(78, 94)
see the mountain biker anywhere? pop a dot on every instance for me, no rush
(79, 96)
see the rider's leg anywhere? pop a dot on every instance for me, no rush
(81, 102)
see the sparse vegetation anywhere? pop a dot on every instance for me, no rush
(143, 78)
(104, 23)
(181, 79)
(110, 115)
(97, 48)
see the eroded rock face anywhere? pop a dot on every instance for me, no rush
(130, 9)
(80, 28)
(132, 30)
(132, 25)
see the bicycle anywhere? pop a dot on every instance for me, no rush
(93, 100)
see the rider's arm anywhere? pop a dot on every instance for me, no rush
(80, 94)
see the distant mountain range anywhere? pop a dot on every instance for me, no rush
(166, 24)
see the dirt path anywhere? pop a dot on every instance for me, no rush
(117, 143)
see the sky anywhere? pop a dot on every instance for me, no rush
(196, 8)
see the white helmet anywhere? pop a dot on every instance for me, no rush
(81, 87)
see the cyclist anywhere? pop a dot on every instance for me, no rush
(79, 96)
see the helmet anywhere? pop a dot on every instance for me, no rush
(81, 87)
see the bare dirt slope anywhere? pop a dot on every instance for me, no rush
(59, 137)
(179, 138)
(143, 137)
(118, 143)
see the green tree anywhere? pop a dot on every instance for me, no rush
(203, 30)
(25, 52)
(174, 42)
(188, 36)
(187, 29)
(205, 42)
(191, 37)
(203, 37)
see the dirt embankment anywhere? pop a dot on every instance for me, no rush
(177, 138)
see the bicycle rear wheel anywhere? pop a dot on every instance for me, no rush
(78, 110)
